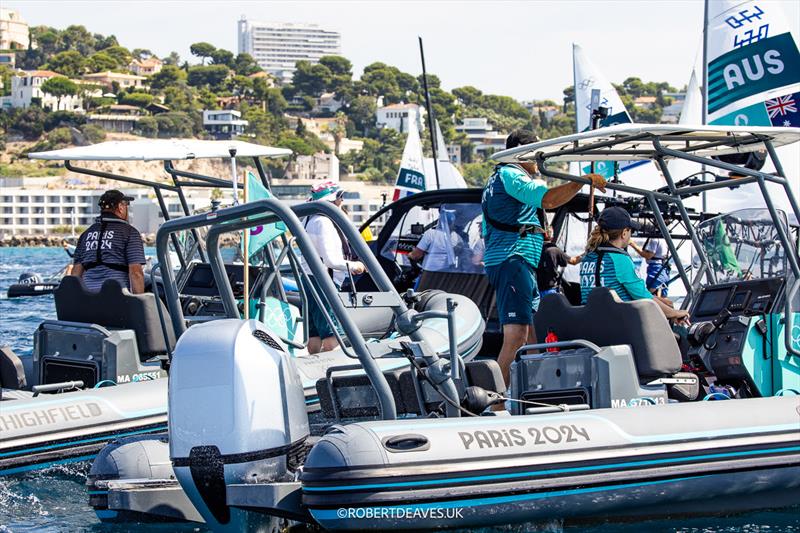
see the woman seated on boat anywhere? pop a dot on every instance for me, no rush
(336, 255)
(607, 259)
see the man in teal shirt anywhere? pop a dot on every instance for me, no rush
(514, 237)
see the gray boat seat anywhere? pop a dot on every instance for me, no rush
(606, 320)
(12, 372)
(114, 307)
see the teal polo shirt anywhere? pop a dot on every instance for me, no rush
(511, 196)
(617, 273)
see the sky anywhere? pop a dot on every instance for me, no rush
(516, 48)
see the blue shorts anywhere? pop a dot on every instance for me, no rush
(658, 278)
(514, 282)
(318, 325)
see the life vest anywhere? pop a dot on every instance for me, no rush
(508, 210)
(98, 261)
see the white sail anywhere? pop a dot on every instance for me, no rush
(753, 79)
(441, 146)
(411, 176)
(587, 78)
(691, 113)
(449, 176)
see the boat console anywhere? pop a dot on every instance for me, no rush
(199, 294)
(730, 330)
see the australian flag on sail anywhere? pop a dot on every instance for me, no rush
(783, 111)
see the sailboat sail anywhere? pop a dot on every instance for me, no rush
(588, 78)
(441, 147)
(753, 65)
(411, 177)
(753, 80)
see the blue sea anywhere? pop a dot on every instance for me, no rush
(56, 500)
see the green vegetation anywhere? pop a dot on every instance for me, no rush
(171, 102)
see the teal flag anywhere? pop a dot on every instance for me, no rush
(260, 236)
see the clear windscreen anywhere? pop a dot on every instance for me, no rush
(743, 245)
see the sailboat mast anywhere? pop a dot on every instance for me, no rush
(705, 88)
(430, 113)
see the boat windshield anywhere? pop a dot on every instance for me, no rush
(743, 245)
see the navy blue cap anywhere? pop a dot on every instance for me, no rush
(617, 218)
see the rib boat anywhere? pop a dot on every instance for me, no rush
(618, 417)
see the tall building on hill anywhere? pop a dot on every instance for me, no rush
(277, 46)
(13, 30)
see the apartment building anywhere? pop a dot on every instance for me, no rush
(13, 30)
(277, 46)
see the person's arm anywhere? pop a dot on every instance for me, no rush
(646, 254)
(136, 275)
(422, 247)
(77, 258)
(575, 260)
(561, 194)
(626, 275)
(77, 270)
(330, 249)
(134, 255)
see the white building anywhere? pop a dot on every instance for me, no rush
(320, 166)
(13, 31)
(277, 46)
(146, 67)
(481, 134)
(27, 86)
(33, 209)
(224, 124)
(400, 117)
(108, 79)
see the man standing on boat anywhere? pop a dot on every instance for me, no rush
(111, 248)
(514, 237)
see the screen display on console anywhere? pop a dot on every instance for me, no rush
(713, 301)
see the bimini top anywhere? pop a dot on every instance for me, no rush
(630, 142)
(160, 150)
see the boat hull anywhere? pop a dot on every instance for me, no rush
(729, 456)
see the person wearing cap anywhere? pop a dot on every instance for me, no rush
(607, 264)
(111, 248)
(336, 255)
(513, 236)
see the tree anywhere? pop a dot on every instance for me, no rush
(147, 127)
(77, 39)
(362, 112)
(167, 76)
(101, 62)
(212, 76)
(29, 122)
(137, 99)
(311, 79)
(59, 87)
(58, 119)
(222, 57)
(175, 124)
(245, 65)
(467, 95)
(70, 63)
(120, 54)
(338, 129)
(141, 53)
(202, 50)
(341, 74)
(172, 59)
(101, 42)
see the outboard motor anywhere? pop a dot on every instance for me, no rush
(237, 414)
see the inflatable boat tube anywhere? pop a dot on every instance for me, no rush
(471, 471)
(39, 431)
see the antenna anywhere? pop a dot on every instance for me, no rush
(430, 113)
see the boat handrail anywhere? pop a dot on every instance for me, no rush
(558, 344)
(247, 215)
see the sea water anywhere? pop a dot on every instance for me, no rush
(56, 500)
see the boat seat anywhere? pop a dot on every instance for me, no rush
(115, 307)
(474, 286)
(12, 372)
(606, 320)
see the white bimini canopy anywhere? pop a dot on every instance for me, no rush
(637, 142)
(160, 150)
